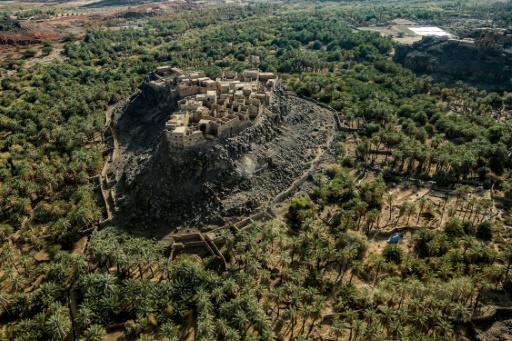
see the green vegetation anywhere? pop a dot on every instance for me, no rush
(300, 209)
(393, 253)
(47, 48)
(30, 52)
(279, 278)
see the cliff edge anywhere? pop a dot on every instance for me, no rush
(451, 60)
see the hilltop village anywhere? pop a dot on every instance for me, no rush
(210, 108)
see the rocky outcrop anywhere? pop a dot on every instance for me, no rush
(450, 61)
(160, 188)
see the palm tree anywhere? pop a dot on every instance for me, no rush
(483, 287)
(86, 315)
(231, 287)
(371, 217)
(422, 204)
(462, 192)
(357, 327)
(445, 270)
(8, 256)
(337, 329)
(232, 335)
(360, 210)
(262, 323)
(507, 254)
(240, 320)
(386, 317)
(370, 315)
(17, 283)
(318, 306)
(94, 333)
(478, 209)
(357, 267)
(379, 263)
(80, 265)
(443, 328)
(472, 202)
(486, 205)
(410, 210)
(5, 231)
(222, 326)
(58, 325)
(461, 312)
(5, 302)
(351, 316)
(205, 326)
(420, 321)
(390, 198)
(363, 149)
(451, 211)
(396, 329)
(468, 242)
(407, 209)
(291, 314)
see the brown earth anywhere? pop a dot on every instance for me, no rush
(118, 12)
(27, 38)
(34, 32)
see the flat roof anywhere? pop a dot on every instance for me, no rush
(429, 31)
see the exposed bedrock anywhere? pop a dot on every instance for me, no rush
(448, 62)
(160, 188)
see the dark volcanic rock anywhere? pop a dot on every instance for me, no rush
(159, 187)
(448, 62)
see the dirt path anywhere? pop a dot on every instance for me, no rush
(106, 192)
(314, 163)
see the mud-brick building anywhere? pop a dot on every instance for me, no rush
(210, 108)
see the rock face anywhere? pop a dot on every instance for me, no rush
(448, 61)
(160, 188)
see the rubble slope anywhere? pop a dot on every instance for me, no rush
(160, 188)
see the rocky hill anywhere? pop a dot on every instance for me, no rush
(160, 188)
(449, 62)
